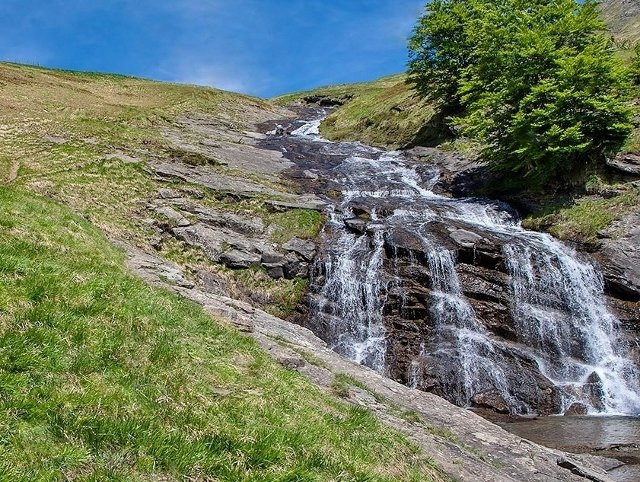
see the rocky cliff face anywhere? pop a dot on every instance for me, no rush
(623, 17)
(408, 285)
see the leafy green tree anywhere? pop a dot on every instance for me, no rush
(536, 81)
(439, 52)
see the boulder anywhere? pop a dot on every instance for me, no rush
(576, 409)
(357, 225)
(303, 247)
(168, 193)
(236, 259)
(492, 400)
(465, 238)
(175, 218)
(274, 270)
(291, 266)
(194, 193)
(626, 163)
(271, 256)
(209, 240)
(156, 242)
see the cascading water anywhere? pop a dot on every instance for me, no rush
(457, 330)
(573, 335)
(354, 280)
(561, 322)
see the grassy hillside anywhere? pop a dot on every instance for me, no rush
(85, 140)
(623, 17)
(385, 112)
(59, 128)
(105, 378)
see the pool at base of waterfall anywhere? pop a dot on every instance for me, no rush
(616, 437)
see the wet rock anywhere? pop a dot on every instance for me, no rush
(356, 224)
(303, 247)
(576, 409)
(361, 211)
(465, 238)
(310, 174)
(490, 399)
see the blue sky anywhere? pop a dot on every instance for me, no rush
(261, 47)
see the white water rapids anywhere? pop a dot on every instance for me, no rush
(558, 304)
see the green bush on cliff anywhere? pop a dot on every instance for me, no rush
(536, 82)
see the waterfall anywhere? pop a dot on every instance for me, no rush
(562, 327)
(355, 287)
(573, 335)
(472, 353)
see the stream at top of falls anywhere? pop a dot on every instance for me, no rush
(562, 328)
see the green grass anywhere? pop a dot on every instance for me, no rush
(583, 220)
(347, 380)
(277, 297)
(92, 116)
(105, 378)
(386, 112)
(95, 115)
(300, 223)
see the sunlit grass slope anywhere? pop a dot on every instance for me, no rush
(68, 135)
(57, 129)
(105, 378)
(386, 112)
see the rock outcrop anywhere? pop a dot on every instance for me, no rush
(462, 444)
(415, 348)
(233, 240)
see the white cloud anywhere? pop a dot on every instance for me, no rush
(185, 66)
(210, 76)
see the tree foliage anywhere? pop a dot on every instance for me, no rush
(536, 81)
